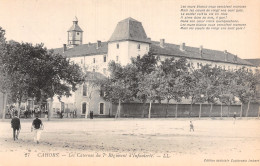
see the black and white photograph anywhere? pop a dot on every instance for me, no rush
(120, 82)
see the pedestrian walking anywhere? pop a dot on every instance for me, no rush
(234, 117)
(37, 128)
(191, 126)
(16, 125)
(91, 114)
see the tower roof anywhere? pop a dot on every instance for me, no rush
(129, 29)
(75, 26)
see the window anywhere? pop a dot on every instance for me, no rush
(94, 70)
(105, 58)
(117, 58)
(198, 65)
(94, 60)
(84, 90)
(138, 46)
(101, 108)
(81, 61)
(77, 33)
(117, 45)
(84, 108)
(102, 93)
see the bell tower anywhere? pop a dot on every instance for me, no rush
(75, 34)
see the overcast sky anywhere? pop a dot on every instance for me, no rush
(47, 21)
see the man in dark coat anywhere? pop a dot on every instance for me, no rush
(16, 125)
(37, 127)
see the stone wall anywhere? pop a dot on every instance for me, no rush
(183, 110)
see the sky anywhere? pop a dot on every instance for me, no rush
(47, 21)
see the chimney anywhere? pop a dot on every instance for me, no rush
(182, 46)
(64, 48)
(162, 42)
(235, 58)
(98, 44)
(201, 49)
(226, 55)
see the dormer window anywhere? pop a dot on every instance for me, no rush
(77, 33)
(117, 45)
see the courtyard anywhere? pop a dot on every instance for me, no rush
(137, 141)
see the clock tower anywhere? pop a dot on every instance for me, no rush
(75, 34)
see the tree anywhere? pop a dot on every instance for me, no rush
(171, 86)
(4, 84)
(192, 89)
(35, 72)
(209, 83)
(149, 87)
(246, 90)
(142, 66)
(117, 88)
(227, 88)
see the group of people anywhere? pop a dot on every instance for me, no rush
(32, 113)
(37, 127)
(27, 113)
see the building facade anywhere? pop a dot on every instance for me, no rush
(130, 40)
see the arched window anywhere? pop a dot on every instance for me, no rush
(84, 108)
(84, 90)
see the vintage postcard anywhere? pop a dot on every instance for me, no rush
(150, 82)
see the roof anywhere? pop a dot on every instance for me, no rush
(129, 29)
(255, 62)
(84, 49)
(194, 53)
(75, 26)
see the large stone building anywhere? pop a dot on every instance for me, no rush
(130, 40)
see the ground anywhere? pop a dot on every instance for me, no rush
(134, 141)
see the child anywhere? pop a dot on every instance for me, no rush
(234, 117)
(191, 126)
